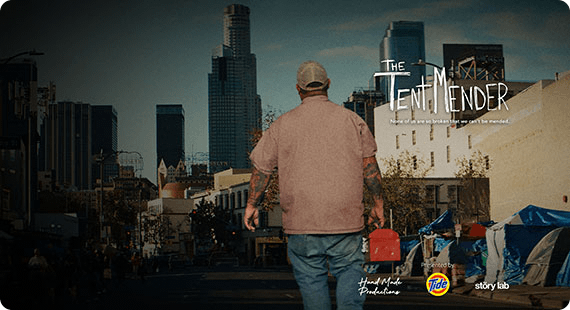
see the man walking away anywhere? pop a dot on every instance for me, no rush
(322, 152)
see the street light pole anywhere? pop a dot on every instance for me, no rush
(101, 218)
(31, 117)
(423, 63)
(140, 217)
(101, 159)
(30, 53)
(139, 167)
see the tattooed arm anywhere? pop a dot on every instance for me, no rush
(373, 180)
(257, 185)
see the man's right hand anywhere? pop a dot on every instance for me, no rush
(251, 217)
(377, 215)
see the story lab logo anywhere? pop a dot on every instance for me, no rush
(437, 284)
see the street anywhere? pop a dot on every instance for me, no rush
(248, 288)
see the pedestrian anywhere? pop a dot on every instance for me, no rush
(170, 263)
(136, 263)
(322, 153)
(38, 261)
(38, 276)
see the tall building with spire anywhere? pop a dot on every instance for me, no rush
(234, 107)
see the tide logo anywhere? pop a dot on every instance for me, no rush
(437, 284)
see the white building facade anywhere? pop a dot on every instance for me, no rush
(524, 139)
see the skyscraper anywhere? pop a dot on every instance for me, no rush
(403, 41)
(18, 133)
(66, 144)
(169, 134)
(234, 107)
(104, 126)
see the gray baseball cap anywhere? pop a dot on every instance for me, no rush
(312, 76)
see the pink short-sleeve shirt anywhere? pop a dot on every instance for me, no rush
(318, 149)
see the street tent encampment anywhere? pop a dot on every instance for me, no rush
(547, 257)
(510, 241)
(444, 221)
(563, 277)
(412, 266)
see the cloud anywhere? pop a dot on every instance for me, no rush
(359, 24)
(365, 52)
(294, 63)
(423, 12)
(552, 30)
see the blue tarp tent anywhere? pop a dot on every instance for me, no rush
(563, 276)
(547, 257)
(439, 244)
(407, 246)
(475, 264)
(511, 241)
(444, 221)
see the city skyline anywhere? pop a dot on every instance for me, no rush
(135, 55)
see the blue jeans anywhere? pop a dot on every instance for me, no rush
(309, 255)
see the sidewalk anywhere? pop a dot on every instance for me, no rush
(554, 297)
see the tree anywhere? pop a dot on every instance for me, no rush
(212, 225)
(474, 203)
(404, 192)
(119, 213)
(157, 228)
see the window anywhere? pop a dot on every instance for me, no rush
(397, 142)
(413, 137)
(452, 193)
(430, 194)
(430, 103)
(449, 155)
(448, 132)
(263, 219)
(432, 158)
(415, 162)
(487, 162)
(469, 141)
(431, 130)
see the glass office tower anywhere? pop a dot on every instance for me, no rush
(403, 41)
(169, 134)
(234, 107)
(104, 128)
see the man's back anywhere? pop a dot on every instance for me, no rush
(318, 148)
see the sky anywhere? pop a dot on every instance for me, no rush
(137, 54)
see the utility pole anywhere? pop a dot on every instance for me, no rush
(101, 217)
